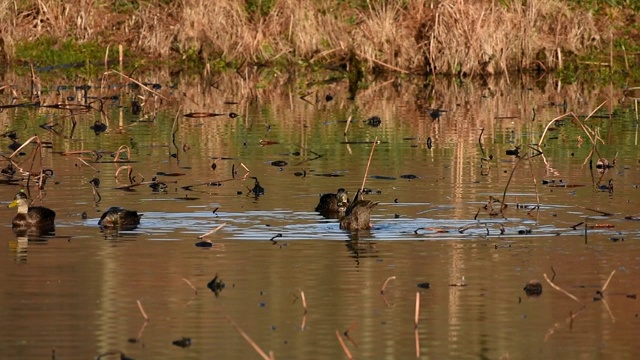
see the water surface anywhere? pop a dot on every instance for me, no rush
(74, 294)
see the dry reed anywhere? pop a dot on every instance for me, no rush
(448, 36)
(343, 345)
(144, 314)
(384, 286)
(561, 289)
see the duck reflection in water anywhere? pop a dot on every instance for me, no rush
(360, 246)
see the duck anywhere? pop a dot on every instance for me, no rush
(117, 217)
(333, 203)
(31, 217)
(358, 213)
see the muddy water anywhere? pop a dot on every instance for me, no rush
(74, 294)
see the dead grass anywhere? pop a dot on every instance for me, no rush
(448, 36)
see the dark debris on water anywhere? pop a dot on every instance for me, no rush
(216, 285)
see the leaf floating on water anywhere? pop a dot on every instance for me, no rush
(183, 343)
(204, 244)
(374, 121)
(382, 177)
(533, 288)
(279, 163)
(408, 176)
(328, 174)
(601, 226)
(198, 115)
(161, 173)
(216, 285)
(566, 185)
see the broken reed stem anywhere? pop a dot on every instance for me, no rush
(144, 314)
(366, 172)
(385, 283)
(417, 343)
(560, 289)
(417, 309)
(86, 163)
(120, 150)
(190, 284)
(251, 342)
(606, 305)
(212, 231)
(348, 123)
(549, 125)
(504, 193)
(35, 137)
(304, 301)
(535, 186)
(344, 346)
(607, 283)
(137, 82)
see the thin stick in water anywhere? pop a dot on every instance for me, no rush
(304, 301)
(366, 172)
(344, 346)
(385, 283)
(212, 231)
(190, 284)
(607, 283)
(348, 123)
(560, 289)
(417, 309)
(144, 314)
(251, 342)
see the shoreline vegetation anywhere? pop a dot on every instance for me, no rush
(357, 37)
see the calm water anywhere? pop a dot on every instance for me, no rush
(74, 294)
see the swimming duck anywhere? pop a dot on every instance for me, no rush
(333, 203)
(117, 217)
(358, 213)
(31, 217)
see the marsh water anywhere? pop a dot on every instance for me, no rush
(80, 293)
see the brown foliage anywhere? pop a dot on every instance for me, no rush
(448, 36)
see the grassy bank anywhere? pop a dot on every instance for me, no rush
(411, 36)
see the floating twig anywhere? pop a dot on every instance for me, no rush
(366, 171)
(251, 342)
(144, 314)
(385, 283)
(190, 284)
(304, 301)
(560, 289)
(348, 123)
(344, 346)
(604, 287)
(212, 231)
(417, 313)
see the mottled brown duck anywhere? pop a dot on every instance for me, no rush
(333, 203)
(358, 214)
(117, 217)
(31, 217)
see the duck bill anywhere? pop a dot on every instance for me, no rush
(14, 203)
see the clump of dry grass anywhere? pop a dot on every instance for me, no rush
(487, 37)
(447, 36)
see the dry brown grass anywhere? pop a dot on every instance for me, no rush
(448, 36)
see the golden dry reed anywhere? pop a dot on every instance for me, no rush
(446, 36)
